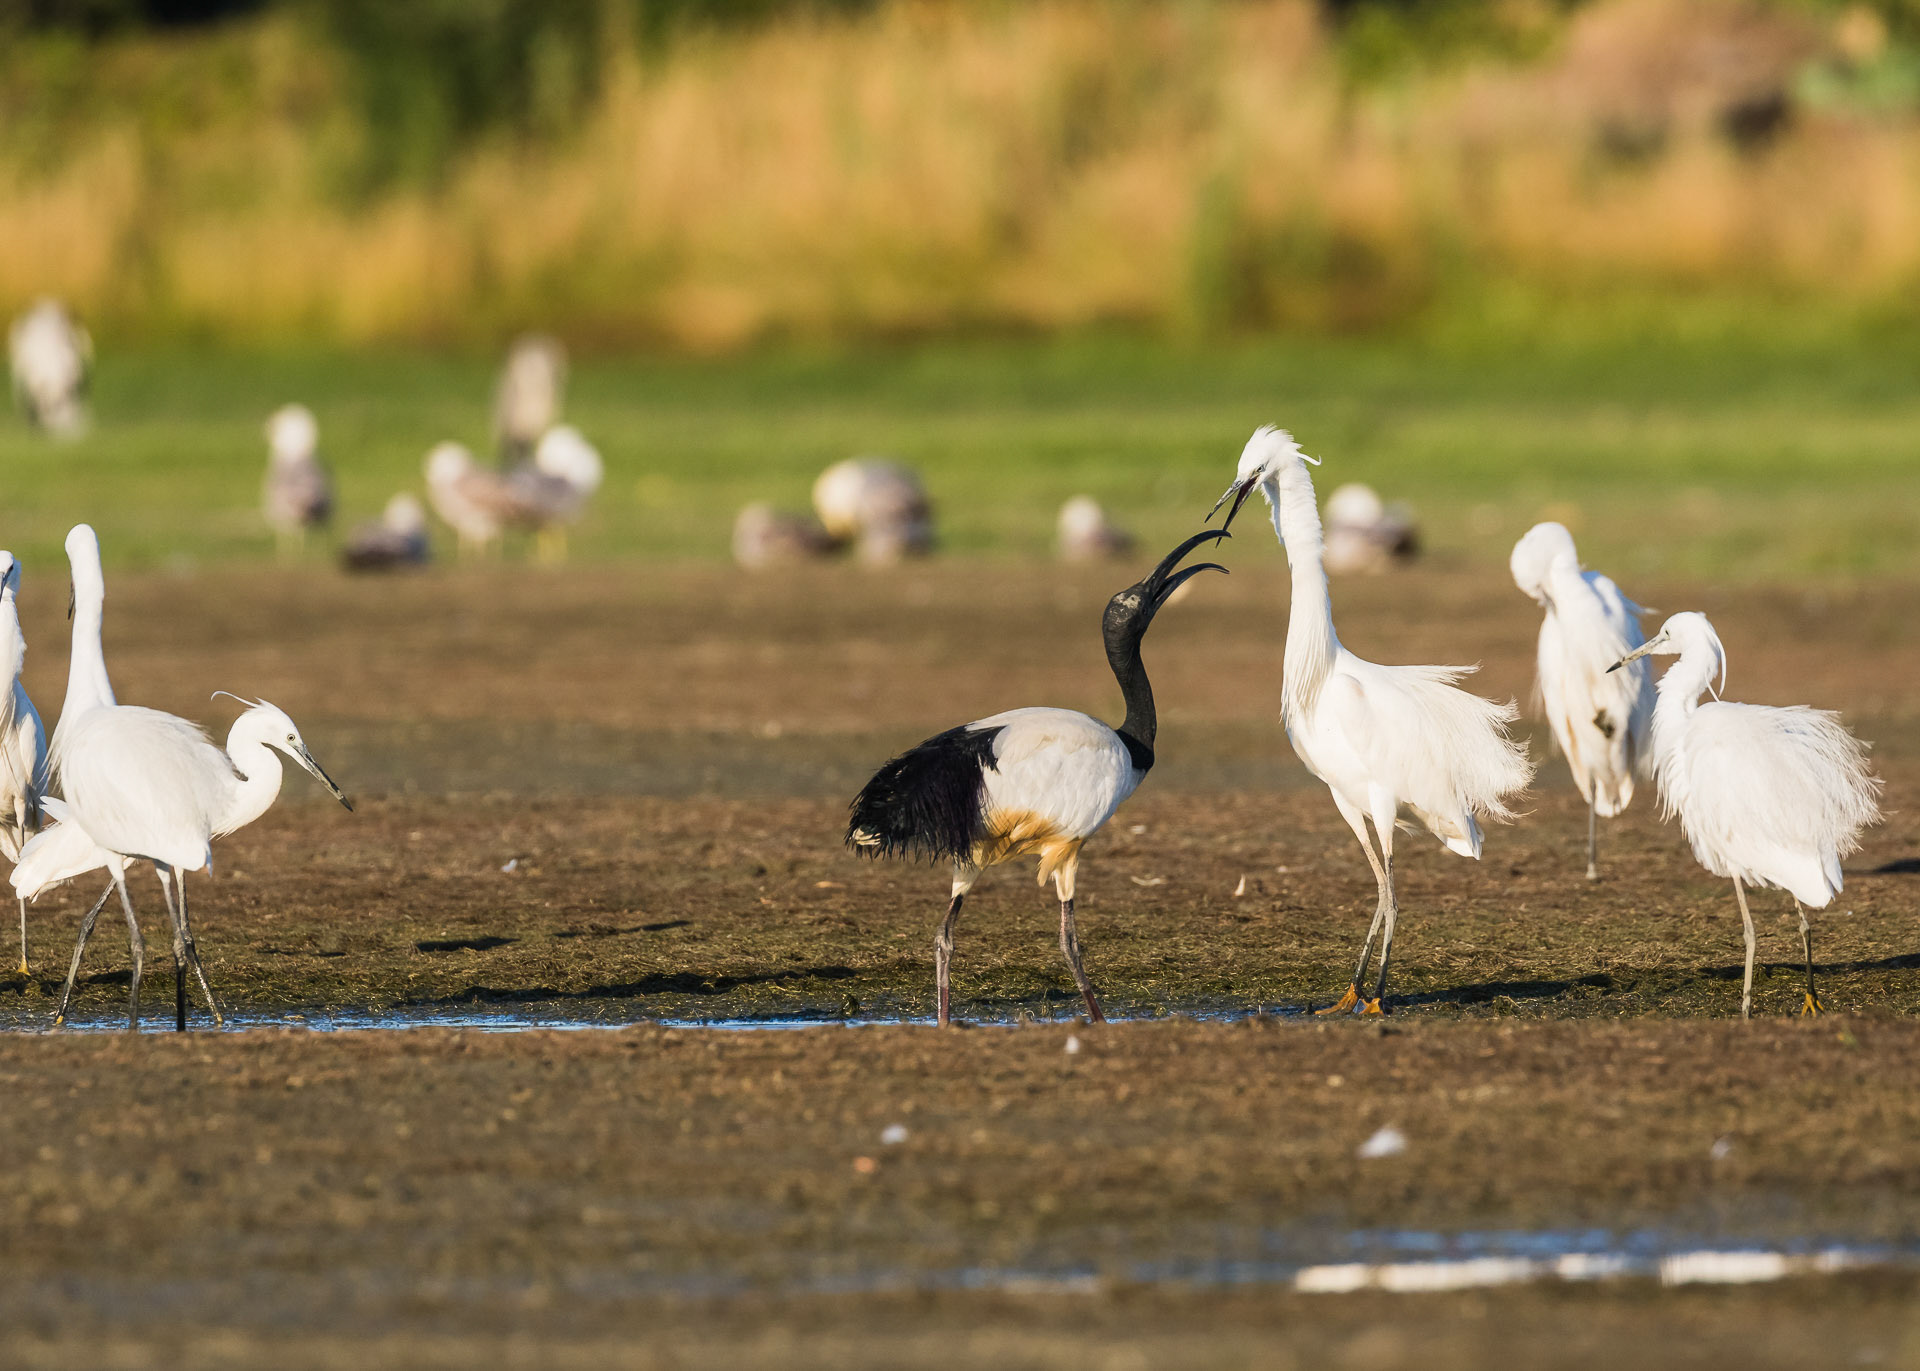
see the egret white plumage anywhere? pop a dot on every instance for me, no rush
(147, 785)
(1767, 795)
(23, 738)
(50, 356)
(398, 538)
(530, 395)
(296, 493)
(1084, 533)
(876, 504)
(1036, 782)
(1383, 738)
(191, 785)
(1599, 716)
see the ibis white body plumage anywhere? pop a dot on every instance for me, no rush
(1383, 739)
(1599, 717)
(1766, 795)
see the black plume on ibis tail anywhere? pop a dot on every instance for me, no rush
(928, 801)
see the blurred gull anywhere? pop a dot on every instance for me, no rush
(765, 536)
(543, 495)
(397, 539)
(554, 488)
(50, 356)
(530, 396)
(1085, 534)
(877, 504)
(1364, 533)
(297, 494)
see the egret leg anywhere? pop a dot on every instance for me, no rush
(1357, 821)
(1812, 1004)
(179, 951)
(943, 957)
(79, 949)
(23, 937)
(193, 953)
(1746, 987)
(139, 948)
(1384, 832)
(1593, 831)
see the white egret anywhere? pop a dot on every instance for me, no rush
(1084, 533)
(398, 538)
(296, 493)
(1027, 782)
(193, 785)
(1767, 795)
(877, 504)
(530, 395)
(1599, 716)
(764, 536)
(23, 739)
(1382, 738)
(50, 356)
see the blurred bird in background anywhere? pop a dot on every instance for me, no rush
(1084, 533)
(530, 396)
(878, 506)
(297, 493)
(51, 357)
(394, 541)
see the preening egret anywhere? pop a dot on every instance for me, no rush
(296, 494)
(1364, 533)
(23, 739)
(1026, 782)
(1382, 738)
(398, 538)
(50, 356)
(876, 504)
(765, 536)
(1084, 533)
(1767, 795)
(1599, 716)
(194, 793)
(530, 396)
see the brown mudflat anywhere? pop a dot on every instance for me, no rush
(662, 758)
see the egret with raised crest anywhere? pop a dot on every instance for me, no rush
(1382, 738)
(1029, 782)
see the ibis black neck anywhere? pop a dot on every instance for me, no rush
(1138, 728)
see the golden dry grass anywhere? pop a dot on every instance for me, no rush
(927, 166)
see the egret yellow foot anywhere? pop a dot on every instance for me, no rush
(1347, 1001)
(1811, 1005)
(23, 966)
(1370, 1007)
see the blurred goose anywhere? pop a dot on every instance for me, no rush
(1364, 533)
(50, 356)
(530, 396)
(765, 536)
(297, 493)
(1085, 534)
(394, 541)
(876, 504)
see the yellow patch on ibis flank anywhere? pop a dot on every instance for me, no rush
(1016, 833)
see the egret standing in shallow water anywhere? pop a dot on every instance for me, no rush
(1599, 716)
(1768, 795)
(23, 739)
(1382, 738)
(1027, 782)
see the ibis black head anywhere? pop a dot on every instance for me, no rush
(1129, 612)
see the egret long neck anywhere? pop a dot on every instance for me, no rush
(1311, 644)
(1678, 696)
(87, 683)
(1138, 728)
(258, 785)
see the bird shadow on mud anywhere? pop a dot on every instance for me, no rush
(1648, 983)
(675, 983)
(1904, 866)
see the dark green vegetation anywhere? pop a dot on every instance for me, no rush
(1746, 460)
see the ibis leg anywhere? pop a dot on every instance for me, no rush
(193, 954)
(1070, 944)
(1593, 832)
(943, 957)
(79, 950)
(1746, 919)
(1812, 1004)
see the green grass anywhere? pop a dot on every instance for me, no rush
(1734, 459)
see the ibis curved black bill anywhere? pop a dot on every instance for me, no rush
(1238, 493)
(1163, 580)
